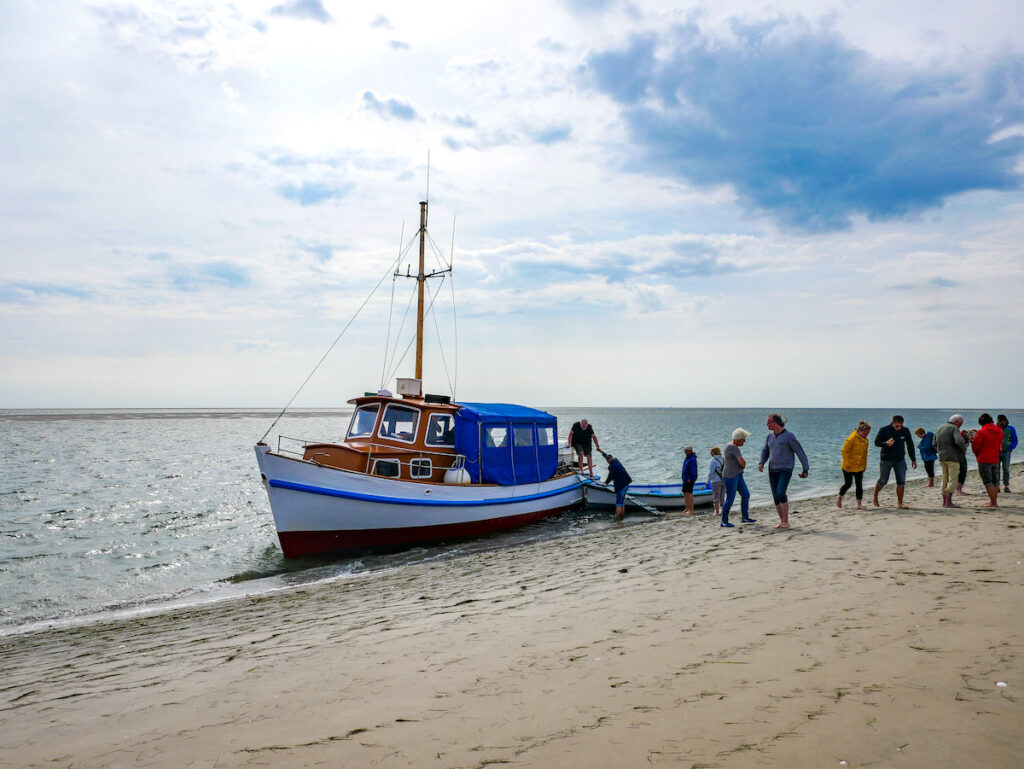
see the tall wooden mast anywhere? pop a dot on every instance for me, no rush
(421, 277)
(421, 280)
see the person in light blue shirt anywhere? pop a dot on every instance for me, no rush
(716, 476)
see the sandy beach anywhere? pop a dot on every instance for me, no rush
(857, 638)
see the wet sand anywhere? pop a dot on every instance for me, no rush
(874, 638)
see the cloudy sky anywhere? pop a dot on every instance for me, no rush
(809, 203)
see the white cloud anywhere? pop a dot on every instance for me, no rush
(194, 199)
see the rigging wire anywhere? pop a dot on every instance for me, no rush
(391, 309)
(329, 349)
(444, 360)
(455, 318)
(388, 351)
(389, 355)
(412, 340)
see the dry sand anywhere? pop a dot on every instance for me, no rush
(874, 638)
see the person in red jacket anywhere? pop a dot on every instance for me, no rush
(986, 445)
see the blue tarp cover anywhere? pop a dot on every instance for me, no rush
(506, 444)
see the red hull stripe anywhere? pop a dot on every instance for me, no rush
(296, 543)
(290, 485)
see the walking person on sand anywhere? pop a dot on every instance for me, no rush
(951, 448)
(986, 444)
(895, 441)
(1009, 444)
(715, 481)
(961, 477)
(926, 446)
(689, 477)
(855, 462)
(618, 476)
(780, 449)
(732, 477)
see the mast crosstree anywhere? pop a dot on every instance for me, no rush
(421, 278)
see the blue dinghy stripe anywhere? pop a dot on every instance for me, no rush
(406, 501)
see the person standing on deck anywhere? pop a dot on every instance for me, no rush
(620, 479)
(1009, 444)
(895, 441)
(581, 434)
(780, 450)
(689, 477)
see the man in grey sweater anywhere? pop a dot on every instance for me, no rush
(952, 449)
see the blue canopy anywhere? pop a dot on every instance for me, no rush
(506, 444)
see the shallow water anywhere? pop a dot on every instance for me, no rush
(107, 511)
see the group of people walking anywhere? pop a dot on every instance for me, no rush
(992, 443)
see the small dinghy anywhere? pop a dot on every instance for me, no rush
(661, 496)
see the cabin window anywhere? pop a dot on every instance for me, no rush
(363, 421)
(545, 436)
(523, 435)
(420, 468)
(399, 423)
(441, 430)
(386, 468)
(496, 437)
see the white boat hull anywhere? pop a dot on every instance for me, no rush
(322, 509)
(664, 496)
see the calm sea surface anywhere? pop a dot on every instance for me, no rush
(104, 512)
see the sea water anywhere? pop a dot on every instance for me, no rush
(106, 512)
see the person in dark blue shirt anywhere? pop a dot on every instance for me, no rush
(618, 477)
(689, 477)
(895, 442)
(1009, 444)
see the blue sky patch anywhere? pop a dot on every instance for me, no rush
(313, 193)
(807, 128)
(303, 9)
(389, 108)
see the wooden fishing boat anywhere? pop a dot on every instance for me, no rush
(416, 468)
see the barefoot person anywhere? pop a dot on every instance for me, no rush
(689, 477)
(732, 477)
(855, 462)
(581, 434)
(986, 445)
(895, 441)
(620, 479)
(951, 448)
(715, 481)
(781, 448)
(1009, 444)
(926, 445)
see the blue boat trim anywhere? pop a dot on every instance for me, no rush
(420, 502)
